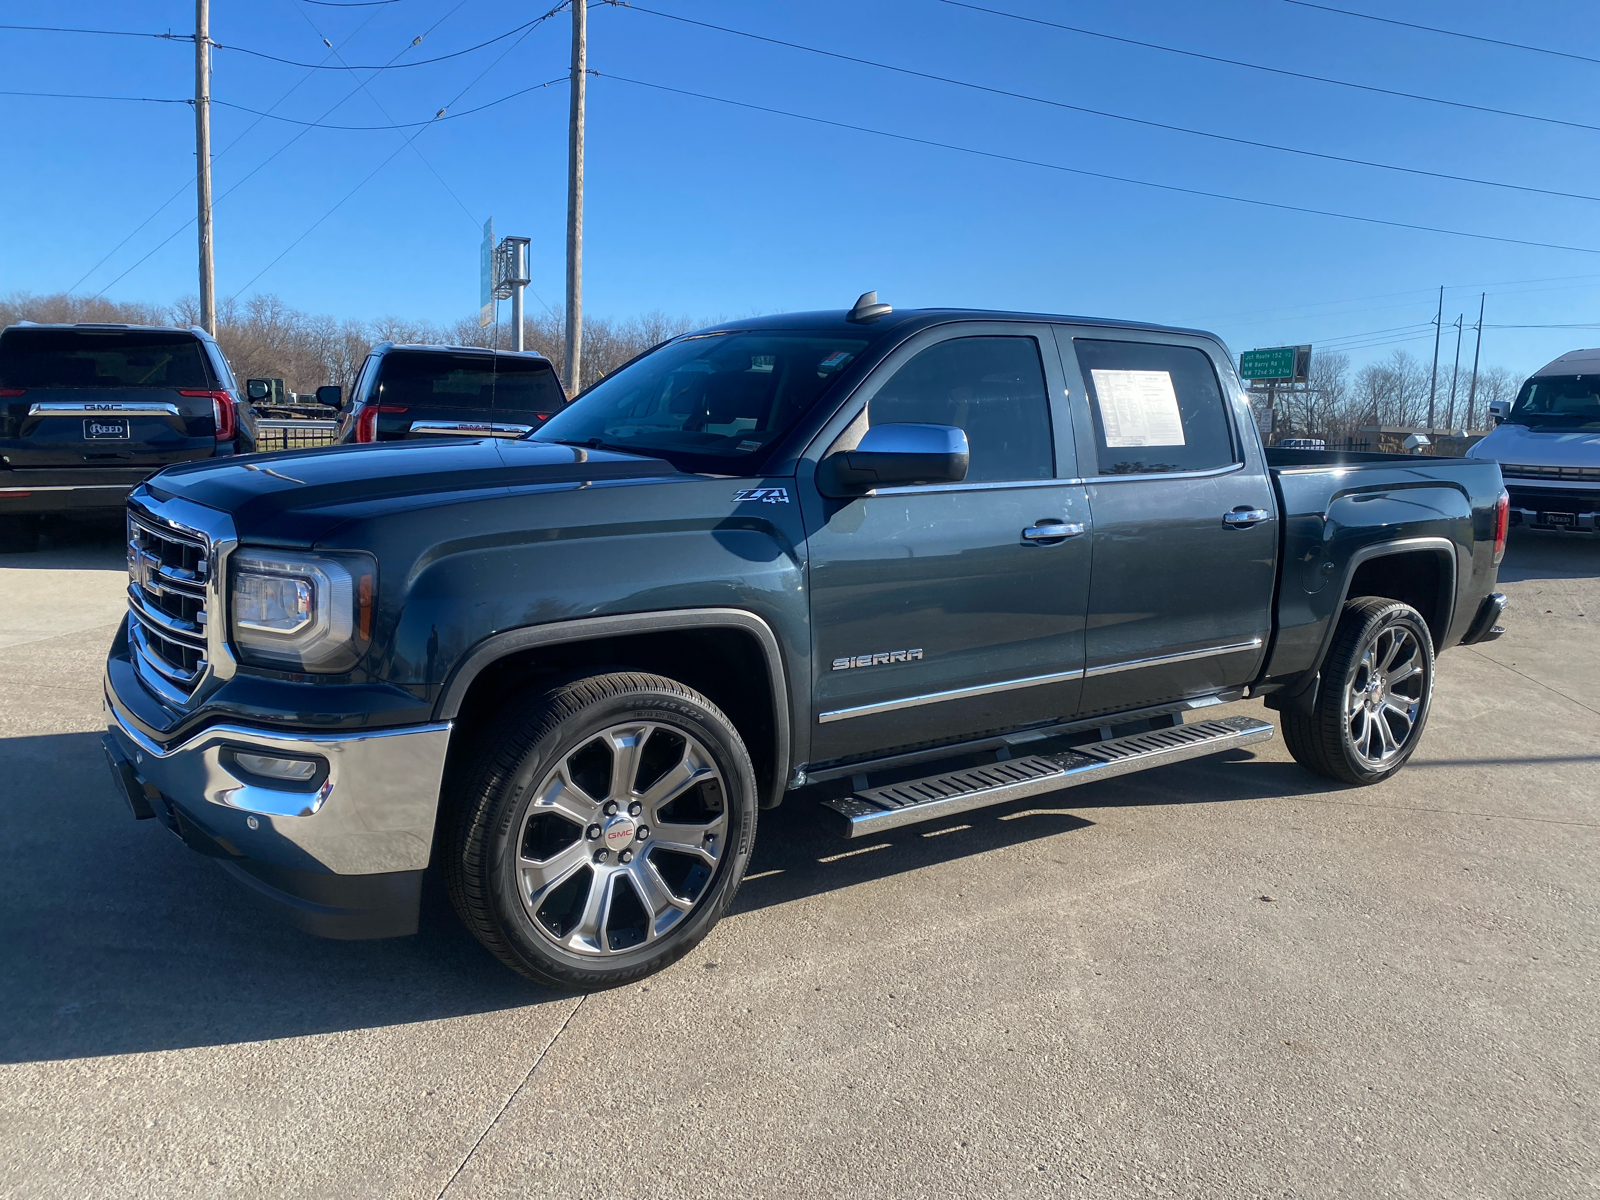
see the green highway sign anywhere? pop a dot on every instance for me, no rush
(1276, 363)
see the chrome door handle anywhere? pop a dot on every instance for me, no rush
(1058, 532)
(1243, 518)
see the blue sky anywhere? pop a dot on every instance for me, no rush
(708, 209)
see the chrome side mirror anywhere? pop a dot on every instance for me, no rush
(1499, 410)
(257, 390)
(896, 456)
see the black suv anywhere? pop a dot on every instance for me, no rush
(87, 412)
(433, 391)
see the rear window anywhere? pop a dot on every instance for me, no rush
(1157, 408)
(425, 379)
(101, 358)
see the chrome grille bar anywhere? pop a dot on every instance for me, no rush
(168, 573)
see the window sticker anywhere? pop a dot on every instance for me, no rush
(1138, 408)
(837, 359)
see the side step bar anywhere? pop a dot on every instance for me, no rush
(877, 809)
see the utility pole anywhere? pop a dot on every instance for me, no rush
(1472, 392)
(1450, 416)
(580, 63)
(1433, 384)
(202, 152)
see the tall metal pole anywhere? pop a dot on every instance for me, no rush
(1450, 416)
(1433, 384)
(516, 316)
(1472, 392)
(202, 151)
(580, 62)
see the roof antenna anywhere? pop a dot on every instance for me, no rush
(868, 309)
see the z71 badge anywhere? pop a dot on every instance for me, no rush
(765, 495)
(876, 660)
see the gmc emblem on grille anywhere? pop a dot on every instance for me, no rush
(143, 567)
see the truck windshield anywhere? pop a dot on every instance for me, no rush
(706, 402)
(1558, 402)
(101, 358)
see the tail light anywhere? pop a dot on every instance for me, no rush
(227, 422)
(1502, 523)
(367, 420)
(7, 393)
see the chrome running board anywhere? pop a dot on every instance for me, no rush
(874, 810)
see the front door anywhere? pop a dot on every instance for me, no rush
(942, 612)
(1185, 528)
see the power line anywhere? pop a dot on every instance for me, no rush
(82, 96)
(266, 161)
(1049, 166)
(1116, 116)
(322, 66)
(441, 116)
(1471, 37)
(390, 66)
(365, 86)
(166, 37)
(340, 203)
(1235, 62)
(351, 3)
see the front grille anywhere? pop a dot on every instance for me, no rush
(169, 567)
(1557, 474)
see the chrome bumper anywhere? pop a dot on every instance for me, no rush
(373, 813)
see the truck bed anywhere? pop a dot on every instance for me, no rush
(1340, 510)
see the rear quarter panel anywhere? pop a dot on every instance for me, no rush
(1334, 515)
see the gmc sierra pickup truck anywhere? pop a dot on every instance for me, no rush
(912, 563)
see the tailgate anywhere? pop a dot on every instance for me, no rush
(104, 427)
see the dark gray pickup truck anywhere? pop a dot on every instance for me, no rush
(893, 565)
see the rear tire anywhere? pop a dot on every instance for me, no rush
(1373, 702)
(600, 830)
(19, 534)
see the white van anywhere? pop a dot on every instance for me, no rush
(1547, 443)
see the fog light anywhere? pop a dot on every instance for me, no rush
(290, 770)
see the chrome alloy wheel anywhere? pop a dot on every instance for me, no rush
(622, 839)
(1384, 696)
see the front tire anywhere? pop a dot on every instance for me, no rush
(1377, 688)
(602, 830)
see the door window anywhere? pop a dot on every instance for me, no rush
(991, 387)
(1157, 408)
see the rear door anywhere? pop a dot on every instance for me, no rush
(1185, 525)
(935, 615)
(104, 397)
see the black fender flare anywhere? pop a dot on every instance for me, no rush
(1301, 695)
(586, 629)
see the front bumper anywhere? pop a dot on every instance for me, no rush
(342, 858)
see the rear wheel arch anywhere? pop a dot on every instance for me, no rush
(1420, 571)
(731, 656)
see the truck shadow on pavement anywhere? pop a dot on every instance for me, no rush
(117, 939)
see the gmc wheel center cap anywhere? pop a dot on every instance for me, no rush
(619, 832)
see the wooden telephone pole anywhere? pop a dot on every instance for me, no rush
(574, 351)
(202, 151)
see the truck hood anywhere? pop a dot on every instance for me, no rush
(297, 497)
(1510, 445)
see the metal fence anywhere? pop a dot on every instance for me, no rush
(295, 435)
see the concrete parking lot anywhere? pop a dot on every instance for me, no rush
(1223, 978)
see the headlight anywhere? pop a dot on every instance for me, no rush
(300, 611)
